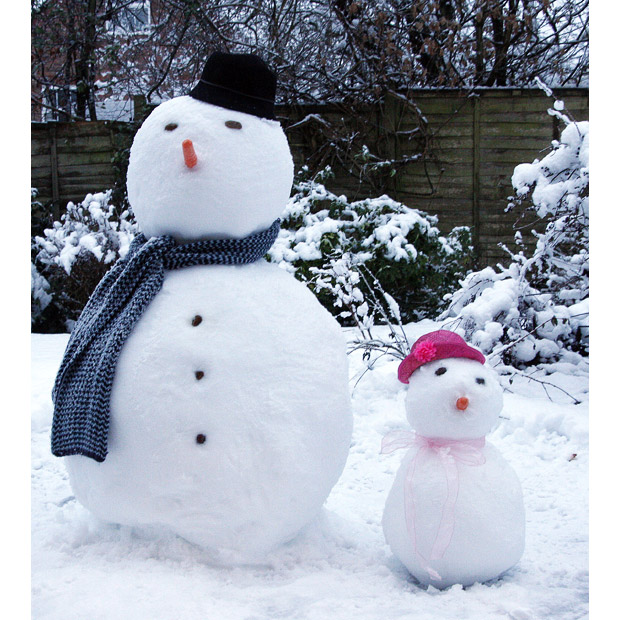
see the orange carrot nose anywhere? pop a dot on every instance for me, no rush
(462, 403)
(189, 154)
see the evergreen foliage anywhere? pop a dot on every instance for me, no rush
(400, 247)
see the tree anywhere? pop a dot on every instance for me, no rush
(359, 55)
(322, 50)
(85, 52)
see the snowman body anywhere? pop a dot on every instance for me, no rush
(465, 522)
(230, 415)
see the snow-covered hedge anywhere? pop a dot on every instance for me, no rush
(375, 238)
(501, 313)
(92, 227)
(40, 296)
(536, 309)
(73, 255)
(339, 247)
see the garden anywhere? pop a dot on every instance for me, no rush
(389, 276)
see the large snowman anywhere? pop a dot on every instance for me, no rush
(455, 511)
(229, 415)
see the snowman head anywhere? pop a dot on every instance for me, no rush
(452, 394)
(214, 163)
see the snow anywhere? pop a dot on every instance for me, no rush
(339, 567)
(492, 305)
(563, 173)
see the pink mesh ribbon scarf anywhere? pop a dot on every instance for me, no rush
(451, 453)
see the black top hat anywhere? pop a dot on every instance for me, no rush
(240, 82)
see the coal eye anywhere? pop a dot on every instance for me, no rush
(170, 126)
(441, 371)
(480, 381)
(201, 438)
(233, 124)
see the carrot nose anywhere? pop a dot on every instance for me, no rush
(462, 403)
(189, 154)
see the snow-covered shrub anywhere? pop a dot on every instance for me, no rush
(501, 313)
(344, 279)
(40, 297)
(341, 278)
(536, 309)
(364, 260)
(75, 253)
(326, 239)
(39, 216)
(557, 190)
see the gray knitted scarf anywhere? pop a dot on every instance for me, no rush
(83, 384)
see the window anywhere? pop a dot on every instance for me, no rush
(134, 18)
(59, 102)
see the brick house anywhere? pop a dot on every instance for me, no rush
(127, 39)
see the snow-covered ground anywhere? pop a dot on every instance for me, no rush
(339, 567)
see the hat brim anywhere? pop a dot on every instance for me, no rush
(410, 364)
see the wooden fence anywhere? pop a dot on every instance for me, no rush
(476, 139)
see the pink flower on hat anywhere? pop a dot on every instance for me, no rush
(437, 345)
(425, 351)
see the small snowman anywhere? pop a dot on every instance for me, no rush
(204, 389)
(455, 512)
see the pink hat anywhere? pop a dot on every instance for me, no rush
(436, 345)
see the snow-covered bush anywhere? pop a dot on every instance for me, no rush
(365, 260)
(557, 190)
(39, 215)
(90, 228)
(343, 278)
(502, 314)
(74, 254)
(40, 297)
(536, 309)
(327, 240)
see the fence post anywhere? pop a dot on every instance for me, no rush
(392, 111)
(54, 172)
(476, 175)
